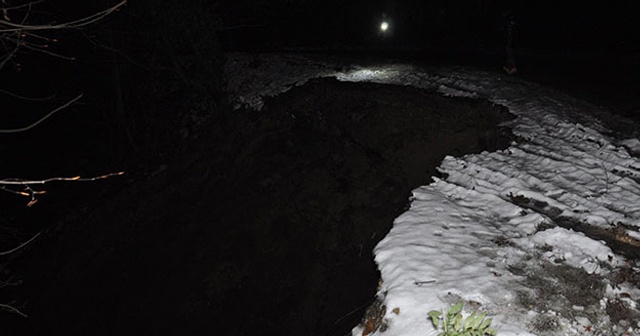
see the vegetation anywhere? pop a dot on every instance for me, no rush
(453, 323)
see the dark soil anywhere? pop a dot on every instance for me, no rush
(266, 228)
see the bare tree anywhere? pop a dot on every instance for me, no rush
(18, 33)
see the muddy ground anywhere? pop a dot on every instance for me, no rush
(266, 228)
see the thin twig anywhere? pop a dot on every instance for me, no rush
(74, 178)
(15, 310)
(15, 95)
(39, 37)
(355, 310)
(19, 193)
(13, 27)
(8, 282)
(70, 58)
(116, 52)
(9, 56)
(21, 246)
(32, 194)
(424, 282)
(26, 128)
(29, 4)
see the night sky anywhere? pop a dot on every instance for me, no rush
(469, 24)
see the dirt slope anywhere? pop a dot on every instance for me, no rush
(264, 228)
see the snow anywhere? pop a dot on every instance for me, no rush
(574, 249)
(489, 233)
(633, 145)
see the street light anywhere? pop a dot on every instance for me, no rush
(384, 26)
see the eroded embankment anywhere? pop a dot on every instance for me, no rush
(267, 227)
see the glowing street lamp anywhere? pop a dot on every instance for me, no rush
(384, 26)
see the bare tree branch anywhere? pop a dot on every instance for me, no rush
(15, 95)
(42, 50)
(33, 194)
(14, 37)
(9, 282)
(21, 245)
(26, 128)
(7, 306)
(11, 27)
(17, 33)
(12, 309)
(51, 179)
(9, 56)
(29, 4)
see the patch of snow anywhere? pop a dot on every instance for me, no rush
(453, 92)
(573, 248)
(633, 145)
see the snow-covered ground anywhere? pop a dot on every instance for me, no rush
(493, 233)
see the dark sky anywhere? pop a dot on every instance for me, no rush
(542, 24)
